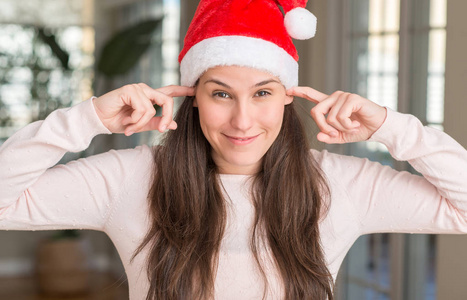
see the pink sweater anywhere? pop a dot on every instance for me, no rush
(107, 192)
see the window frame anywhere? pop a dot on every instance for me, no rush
(405, 281)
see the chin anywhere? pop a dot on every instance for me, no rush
(245, 161)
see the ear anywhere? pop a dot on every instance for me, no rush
(195, 102)
(288, 99)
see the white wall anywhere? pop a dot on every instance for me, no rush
(452, 249)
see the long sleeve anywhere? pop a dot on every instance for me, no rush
(80, 194)
(381, 199)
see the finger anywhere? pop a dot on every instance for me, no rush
(149, 111)
(173, 125)
(171, 91)
(138, 106)
(164, 101)
(167, 112)
(323, 126)
(336, 117)
(307, 93)
(325, 138)
(147, 116)
(132, 98)
(145, 108)
(154, 123)
(348, 109)
(177, 91)
(319, 113)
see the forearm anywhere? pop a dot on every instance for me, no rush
(438, 157)
(26, 155)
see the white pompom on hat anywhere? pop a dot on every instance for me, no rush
(300, 23)
(250, 33)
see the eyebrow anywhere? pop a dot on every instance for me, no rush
(264, 82)
(218, 82)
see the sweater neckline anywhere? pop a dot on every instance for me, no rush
(234, 178)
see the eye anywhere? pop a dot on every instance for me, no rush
(221, 95)
(262, 94)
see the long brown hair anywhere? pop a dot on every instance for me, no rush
(188, 213)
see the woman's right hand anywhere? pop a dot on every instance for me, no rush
(129, 109)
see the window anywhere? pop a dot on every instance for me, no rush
(33, 80)
(159, 65)
(396, 58)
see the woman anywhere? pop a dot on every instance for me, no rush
(232, 205)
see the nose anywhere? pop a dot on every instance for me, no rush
(242, 116)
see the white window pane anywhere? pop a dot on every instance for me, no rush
(435, 83)
(375, 51)
(437, 51)
(391, 54)
(382, 70)
(438, 13)
(376, 16)
(391, 15)
(435, 99)
(382, 89)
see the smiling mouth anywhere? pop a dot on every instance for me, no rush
(241, 140)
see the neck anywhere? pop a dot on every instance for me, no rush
(237, 170)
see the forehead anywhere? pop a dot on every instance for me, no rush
(237, 74)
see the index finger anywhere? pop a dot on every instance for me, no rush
(177, 91)
(165, 101)
(307, 93)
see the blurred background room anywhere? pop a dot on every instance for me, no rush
(408, 55)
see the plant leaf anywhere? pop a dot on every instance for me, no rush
(124, 49)
(58, 51)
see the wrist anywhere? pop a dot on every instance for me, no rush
(98, 112)
(96, 109)
(382, 116)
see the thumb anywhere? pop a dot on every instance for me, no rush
(154, 123)
(325, 138)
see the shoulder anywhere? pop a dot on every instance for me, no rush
(123, 163)
(348, 174)
(140, 155)
(333, 164)
(129, 173)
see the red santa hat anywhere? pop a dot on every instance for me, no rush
(251, 33)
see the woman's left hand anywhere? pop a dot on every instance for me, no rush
(342, 117)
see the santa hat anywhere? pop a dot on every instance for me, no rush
(251, 33)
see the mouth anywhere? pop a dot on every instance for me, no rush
(241, 140)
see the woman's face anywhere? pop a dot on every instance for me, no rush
(241, 111)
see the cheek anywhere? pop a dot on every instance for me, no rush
(211, 118)
(272, 117)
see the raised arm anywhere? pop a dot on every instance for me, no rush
(342, 117)
(33, 195)
(385, 200)
(26, 157)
